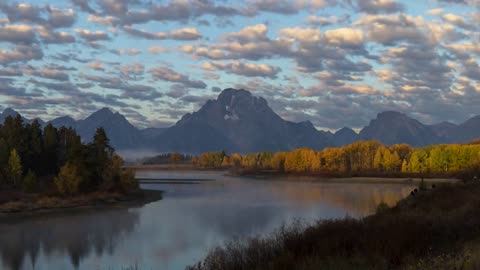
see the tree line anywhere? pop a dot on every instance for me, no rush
(360, 158)
(33, 159)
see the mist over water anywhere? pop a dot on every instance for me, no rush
(180, 229)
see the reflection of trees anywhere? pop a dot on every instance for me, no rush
(358, 199)
(76, 235)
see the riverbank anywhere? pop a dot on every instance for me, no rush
(170, 167)
(434, 229)
(37, 204)
(322, 178)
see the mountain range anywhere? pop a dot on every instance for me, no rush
(237, 121)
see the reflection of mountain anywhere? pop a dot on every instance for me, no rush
(75, 235)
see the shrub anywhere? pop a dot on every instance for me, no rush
(128, 182)
(382, 208)
(68, 180)
(30, 182)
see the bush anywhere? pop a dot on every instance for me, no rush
(68, 180)
(128, 182)
(382, 208)
(30, 182)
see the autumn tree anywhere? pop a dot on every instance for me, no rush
(69, 180)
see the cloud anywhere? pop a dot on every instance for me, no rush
(244, 69)
(51, 37)
(172, 11)
(456, 20)
(17, 33)
(418, 68)
(435, 12)
(22, 12)
(84, 5)
(326, 21)
(285, 7)
(302, 34)
(345, 37)
(21, 53)
(377, 6)
(59, 18)
(157, 49)
(103, 20)
(10, 71)
(47, 73)
(167, 74)
(46, 16)
(392, 29)
(132, 71)
(248, 34)
(96, 65)
(92, 35)
(131, 52)
(180, 34)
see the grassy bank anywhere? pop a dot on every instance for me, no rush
(434, 229)
(21, 204)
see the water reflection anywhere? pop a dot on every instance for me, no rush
(185, 225)
(75, 236)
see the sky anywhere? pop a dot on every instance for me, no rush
(334, 62)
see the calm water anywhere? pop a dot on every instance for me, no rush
(181, 228)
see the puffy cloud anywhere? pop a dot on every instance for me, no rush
(464, 50)
(248, 34)
(10, 71)
(22, 12)
(157, 49)
(325, 21)
(302, 34)
(51, 37)
(59, 18)
(131, 52)
(177, 10)
(96, 65)
(244, 69)
(392, 29)
(419, 68)
(17, 33)
(456, 20)
(55, 18)
(435, 12)
(47, 73)
(84, 5)
(345, 37)
(180, 34)
(377, 6)
(103, 20)
(286, 7)
(92, 35)
(21, 53)
(132, 71)
(167, 74)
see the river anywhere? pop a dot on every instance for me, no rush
(195, 215)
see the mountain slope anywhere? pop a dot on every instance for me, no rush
(393, 127)
(239, 122)
(468, 130)
(344, 136)
(121, 133)
(64, 121)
